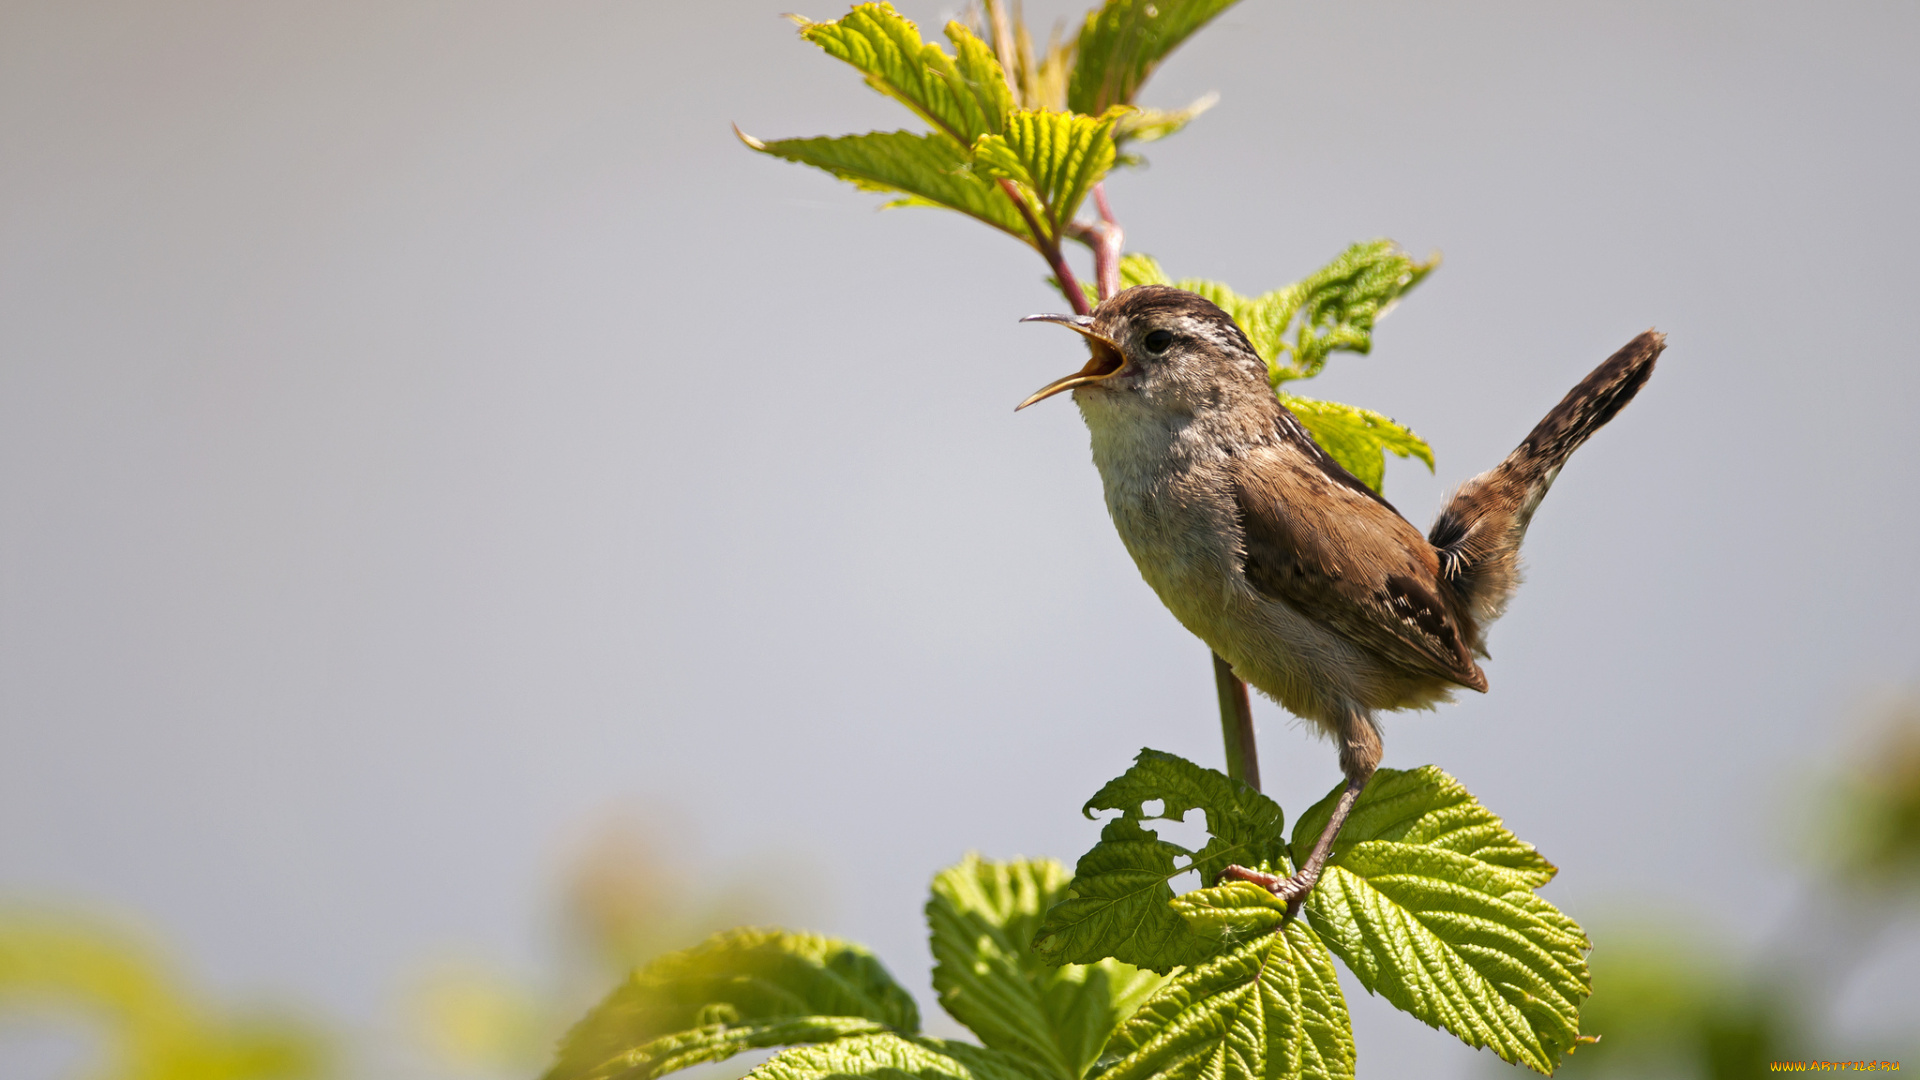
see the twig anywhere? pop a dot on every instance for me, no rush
(1236, 724)
(1050, 250)
(1106, 238)
(1100, 201)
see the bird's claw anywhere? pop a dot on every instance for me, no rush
(1291, 889)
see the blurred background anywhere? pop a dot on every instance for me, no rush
(467, 524)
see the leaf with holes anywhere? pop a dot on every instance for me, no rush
(1429, 900)
(1119, 902)
(929, 171)
(963, 96)
(1358, 439)
(738, 989)
(983, 916)
(1122, 42)
(1054, 158)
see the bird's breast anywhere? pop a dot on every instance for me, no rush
(1168, 492)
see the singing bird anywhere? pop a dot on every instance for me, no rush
(1312, 586)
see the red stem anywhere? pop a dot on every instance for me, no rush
(1106, 253)
(1105, 237)
(1050, 250)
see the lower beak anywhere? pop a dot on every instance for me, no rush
(1106, 362)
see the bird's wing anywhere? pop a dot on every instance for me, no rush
(1348, 560)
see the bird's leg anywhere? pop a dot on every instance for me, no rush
(1359, 756)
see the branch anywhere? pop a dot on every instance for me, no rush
(1105, 237)
(1050, 250)
(1236, 724)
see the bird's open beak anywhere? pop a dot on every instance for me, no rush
(1106, 362)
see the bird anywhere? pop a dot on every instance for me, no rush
(1305, 580)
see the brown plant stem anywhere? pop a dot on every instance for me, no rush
(1236, 724)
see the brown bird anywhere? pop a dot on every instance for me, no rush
(1312, 586)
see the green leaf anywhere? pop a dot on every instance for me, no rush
(1429, 900)
(1425, 806)
(1119, 902)
(151, 1025)
(893, 1057)
(1357, 438)
(1150, 125)
(1118, 905)
(1138, 269)
(1244, 826)
(983, 915)
(929, 170)
(1231, 910)
(1334, 308)
(1054, 157)
(963, 97)
(1240, 910)
(1270, 1009)
(719, 1041)
(1338, 304)
(1123, 41)
(738, 989)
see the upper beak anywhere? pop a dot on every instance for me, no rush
(1107, 360)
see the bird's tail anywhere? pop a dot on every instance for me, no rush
(1478, 534)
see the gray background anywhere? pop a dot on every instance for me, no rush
(424, 428)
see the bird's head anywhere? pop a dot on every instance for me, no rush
(1162, 348)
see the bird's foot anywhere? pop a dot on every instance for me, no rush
(1293, 889)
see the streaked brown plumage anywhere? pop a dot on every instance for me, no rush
(1309, 584)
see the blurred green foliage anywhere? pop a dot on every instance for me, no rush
(1674, 1001)
(625, 902)
(1671, 1001)
(153, 1026)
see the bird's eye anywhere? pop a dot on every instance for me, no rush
(1158, 341)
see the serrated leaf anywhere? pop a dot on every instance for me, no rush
(1328, 1052)
(1336, 306)
(963, 96)
(1123, 41)
(983, 916)
(738, 989)
(1119, 902)
(1138, 269)
(1119, 905)
(1429, 900)
(719, 1041)
(1243, 825)
(1357, 438)
(1231, 911)
(1150, 125)
(1055, 158)
(1426, 806)
(1239, 910)
(1270, 1009)
(930, 171)
(1333, 308)
(895, 1057)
